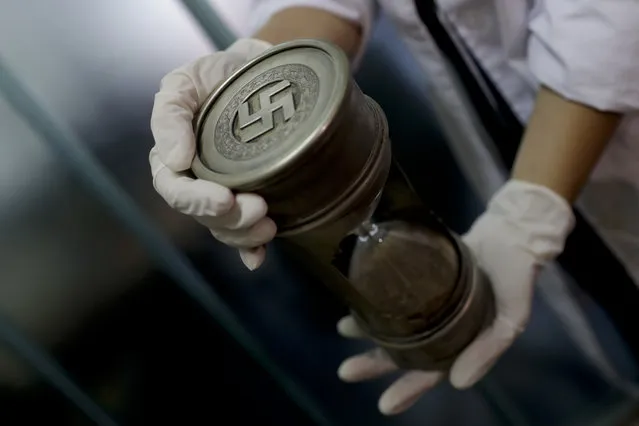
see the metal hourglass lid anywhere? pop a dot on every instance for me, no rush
(292, 126)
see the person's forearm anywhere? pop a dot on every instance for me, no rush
(562, 144)
(306, 22)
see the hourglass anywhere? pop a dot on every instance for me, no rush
(293, 126)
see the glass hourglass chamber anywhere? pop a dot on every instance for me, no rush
(293, 126)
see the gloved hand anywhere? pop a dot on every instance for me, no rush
(236, 220)
(524, 227)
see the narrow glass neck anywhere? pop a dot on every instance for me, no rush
(366, 230)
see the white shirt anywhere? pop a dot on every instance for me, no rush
(585, 50)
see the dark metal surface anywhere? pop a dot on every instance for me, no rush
(49, 311)
(162, 252)
(95, 67)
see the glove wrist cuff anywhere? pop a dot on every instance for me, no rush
(251, 47)
(539, 219)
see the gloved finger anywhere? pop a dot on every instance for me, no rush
(253, 258)
(513, 290)
(246, 212)
(259, 234)
(475, 361)
(366, 366)
(183, 90)
(348, 327)
(406, 390)
(194, 197)
(181, 93)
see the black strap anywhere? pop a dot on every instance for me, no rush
(586, 258)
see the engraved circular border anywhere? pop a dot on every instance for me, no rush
(301, 75)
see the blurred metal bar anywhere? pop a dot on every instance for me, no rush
(52, 372)
(210, 21)
(165, 255)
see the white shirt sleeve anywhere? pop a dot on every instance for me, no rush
(362, 12)
(588, 51)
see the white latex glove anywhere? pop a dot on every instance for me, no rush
(236, 220)
(524, 227)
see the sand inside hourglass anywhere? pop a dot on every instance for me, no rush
(404, 269)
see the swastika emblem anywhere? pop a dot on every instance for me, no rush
(262, 121)
(265, 111)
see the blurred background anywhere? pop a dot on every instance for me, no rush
(115, 310)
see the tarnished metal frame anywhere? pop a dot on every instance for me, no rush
(437, 347)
